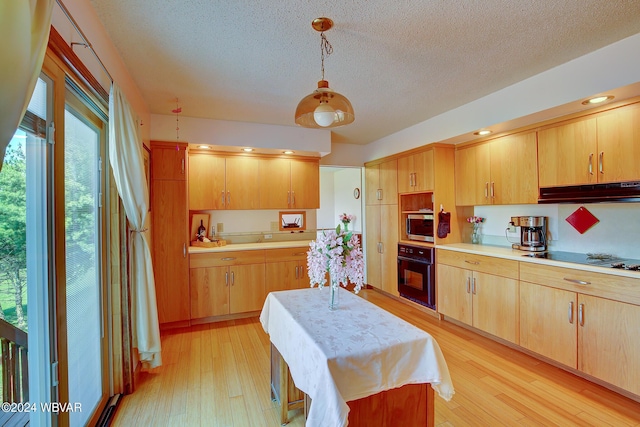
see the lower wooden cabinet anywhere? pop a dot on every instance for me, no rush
(226, 283)
(594, 334)
(480, 291)
(286, 269)
(484, 301)
(233, 282)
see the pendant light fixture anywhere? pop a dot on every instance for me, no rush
(324, 108)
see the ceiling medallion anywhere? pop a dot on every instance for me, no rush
(324, 108)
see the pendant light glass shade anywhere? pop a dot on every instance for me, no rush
(324, 109)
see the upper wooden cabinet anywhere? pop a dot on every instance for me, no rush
(289, 184)
(381, 181)
(219, 182)
(501, 171)
(244, 182)
(168, 160)
(415, 172)
(600, 148)
(567, 154)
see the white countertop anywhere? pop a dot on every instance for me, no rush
(251, 246)
(516, 255)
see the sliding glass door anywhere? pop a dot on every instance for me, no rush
(85, 355)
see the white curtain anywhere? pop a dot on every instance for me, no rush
(24, 29)
(125, 155)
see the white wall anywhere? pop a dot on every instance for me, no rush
(326, 213)
(611, 67)
(240, 134)
(345, 182)
(337, 186)
(253, 221)
(617, 233)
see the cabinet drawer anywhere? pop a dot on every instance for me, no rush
(288, 254)
(624, 289)
(481, 263)
(221, 259)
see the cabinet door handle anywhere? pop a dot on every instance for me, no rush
(493, 190)
(468, 285)
(381, 247)
(293, 198)
(379, 193)
(591, 164)
(288, 197)
(228, 198)
(486, 190)
(182, 166)
(601, 162)
(296, 271)
(233, 277)
(581, 314)
(226, 278)
(473, 286)
(571, 312)
(299, 254)
(227, 258)
(222, 199)
(472, 262)
(184, 250)
(576, 281)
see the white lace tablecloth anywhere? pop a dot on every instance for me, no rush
(350, 353)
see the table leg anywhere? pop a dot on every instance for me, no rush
(284, 391)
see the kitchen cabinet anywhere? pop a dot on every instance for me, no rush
(381, 183)
(169, 208)
(584, 320)
(219, 182)
(226, 283)
(415, 172)
(168, 161)
(286, 269)
(289, 183)
(381, 244)
(502, 171)
(479, 291)
(599, 148)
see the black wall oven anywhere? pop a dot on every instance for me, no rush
(416, 274)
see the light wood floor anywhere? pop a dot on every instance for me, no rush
(218, 375)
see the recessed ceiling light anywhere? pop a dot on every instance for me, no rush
(204, 147)
(288, 152)
(597, 99)
(482, 132)
(248, 150)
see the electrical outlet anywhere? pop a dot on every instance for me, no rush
(268, 236)
(274, 225)
(220, 227)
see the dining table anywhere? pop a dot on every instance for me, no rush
(352, 354)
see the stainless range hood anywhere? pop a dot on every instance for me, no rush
(592, 193)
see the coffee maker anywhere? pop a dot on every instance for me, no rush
(533, 233)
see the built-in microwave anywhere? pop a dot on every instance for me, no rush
(420, 227)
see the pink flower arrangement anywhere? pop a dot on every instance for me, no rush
(346, 219)
(475, 219)
(339, 253)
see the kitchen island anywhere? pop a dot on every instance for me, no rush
(341, 356)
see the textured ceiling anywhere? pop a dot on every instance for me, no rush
(400, 62)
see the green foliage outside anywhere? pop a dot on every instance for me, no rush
(13, 237)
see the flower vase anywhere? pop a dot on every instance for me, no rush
(345, 226)
(476, 237)
(334, 296)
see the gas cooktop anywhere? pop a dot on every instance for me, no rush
(599, 260)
